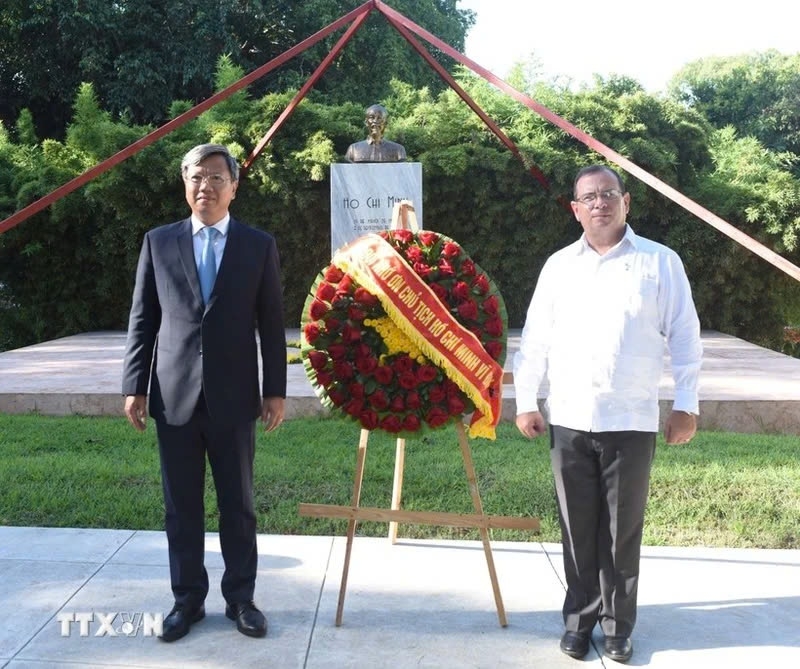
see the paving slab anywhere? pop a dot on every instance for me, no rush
(409, 604)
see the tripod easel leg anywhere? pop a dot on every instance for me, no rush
(351, 524)
(476, 501)
(397, 489)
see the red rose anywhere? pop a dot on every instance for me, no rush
(411, 423)
(354, 407)
(455, 405)
(369, 419)
(337, 351)
(402, 363)
(325, 292)
(428, 238)
(317, 310)
(451, 250)
(481, 284)
(318, 359)
(403, 235)
(378, 400)
(468, 310)
(350, 334)
(367, 365)
(333, 274)
(407, 380)
(446, 268)
(436, 417)
(364, 297)
(467, 267)
(384, 374)
(397, 404)
(494, 349)
(332, 324)
(440, 291)
(344, 370)
(491, 305)
(414, 254)
(413, 400)
(451, 387)
(427, 373)
(324, 378)
(337, 396)
(436, 395)
(355, 314)
(311, 331)
(461, 291)
(421, 269)
(356, 390)
(391, 424)
(345, 284)
(362, 350)
(494, 326)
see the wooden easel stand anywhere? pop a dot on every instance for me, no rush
(395, 515)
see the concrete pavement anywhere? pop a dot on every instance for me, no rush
(411, 604)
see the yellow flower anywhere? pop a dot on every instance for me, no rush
(395, 339)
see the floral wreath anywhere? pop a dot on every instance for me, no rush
(360, 361)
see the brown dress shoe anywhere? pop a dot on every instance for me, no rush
(249, 620)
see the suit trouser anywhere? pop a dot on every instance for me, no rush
(602, 480)
(230, 451)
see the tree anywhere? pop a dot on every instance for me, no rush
(140, 55)
(758, 94)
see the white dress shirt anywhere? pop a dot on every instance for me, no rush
(596, 329)
(199, 238)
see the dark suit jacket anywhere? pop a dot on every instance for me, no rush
(176, 346)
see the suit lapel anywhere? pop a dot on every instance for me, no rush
(228, 260)
(186, 255)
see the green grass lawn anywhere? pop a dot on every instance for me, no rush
(724, 489)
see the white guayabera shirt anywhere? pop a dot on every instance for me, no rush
(596, 328)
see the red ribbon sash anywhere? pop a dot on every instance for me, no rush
(416, 310)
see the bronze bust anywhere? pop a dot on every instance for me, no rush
(376, 149)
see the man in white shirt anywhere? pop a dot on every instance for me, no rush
(596, 327)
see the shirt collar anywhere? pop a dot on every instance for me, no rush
(221, 225)
(629, 238)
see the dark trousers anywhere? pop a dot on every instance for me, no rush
(602, 480)
(230, 451)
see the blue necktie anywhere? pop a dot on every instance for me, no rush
(208, 264)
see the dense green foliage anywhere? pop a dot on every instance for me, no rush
(70, 267)
(725, 489)
(141, 55)
(756, 93)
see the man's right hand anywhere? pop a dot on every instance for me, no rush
(531, 424)
(136, 410)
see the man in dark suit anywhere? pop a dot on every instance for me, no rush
(192, 344)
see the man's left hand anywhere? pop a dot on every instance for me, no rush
(680, 427)
(272, 412)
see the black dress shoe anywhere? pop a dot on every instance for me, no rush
(249, 620)
(179, 620)
(575, 644)
(618, 648)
